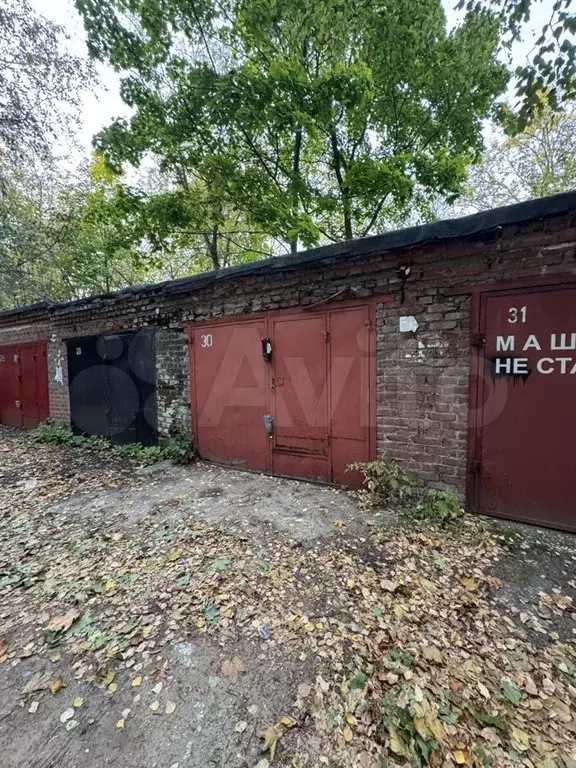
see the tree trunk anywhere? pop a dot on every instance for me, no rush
(339, 170)
(211, 239)
(296, 181)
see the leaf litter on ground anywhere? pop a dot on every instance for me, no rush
(416, 662)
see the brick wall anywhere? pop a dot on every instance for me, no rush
(422, 378)
(172, 381)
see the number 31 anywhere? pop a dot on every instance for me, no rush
(514, 314)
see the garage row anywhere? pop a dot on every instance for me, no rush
(458, 360)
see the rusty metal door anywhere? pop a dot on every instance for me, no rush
(230, 393)
(10, 395)
(23, 385)
(287, 393)
(33, 385)
(525, 462)
(350, 391)
(300, 387)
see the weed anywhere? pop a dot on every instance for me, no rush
(178, 447)
(55, 434)
(386, 483)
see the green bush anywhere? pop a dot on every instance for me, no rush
(178, 447)
(55, 434)
(386, 483)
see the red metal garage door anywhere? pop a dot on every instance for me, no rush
(23, 385)
(525, 457)
(312, 391)
(230, 393)
(301, 423)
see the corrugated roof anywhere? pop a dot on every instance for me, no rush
(448, 229)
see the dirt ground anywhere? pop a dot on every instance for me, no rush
(197, 616)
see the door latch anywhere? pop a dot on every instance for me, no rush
(269, 424)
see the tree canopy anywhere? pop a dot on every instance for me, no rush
(317, 120)
(550, 69)
(539, 161)
(65, 236)
(263, 126)
(40, 81)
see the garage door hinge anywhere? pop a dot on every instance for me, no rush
(478, 340)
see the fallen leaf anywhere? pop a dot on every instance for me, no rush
(38, 682)
(431, 653)
(107, 678)
(56, 685)
(395, 741)
(232, 668)
(269, 736)
(288, 722)
(469, 583)
(241, 726)
(510, 692)
(170, 707)
(389, 586)
(120, 723)
(63, 622)
(483, 690)
(78, 702)
(155, 706)
(136, 682)
(521, 739)
(173, 555)
(459, 757)
(34, 707)
(347, 733)
(157, 688)
(304, 690)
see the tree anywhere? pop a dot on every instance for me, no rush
(539, 161)
(552, 69)
(313, 119)
(65, 237)
(40, 81)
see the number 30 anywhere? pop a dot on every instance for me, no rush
(206, 340)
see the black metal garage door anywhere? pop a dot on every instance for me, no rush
(113, 386)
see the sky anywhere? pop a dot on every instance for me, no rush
(104, 103)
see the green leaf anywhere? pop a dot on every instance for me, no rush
(491, 721)
(510, 692)
(211, 612)
(219, 565)
(358, 682)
